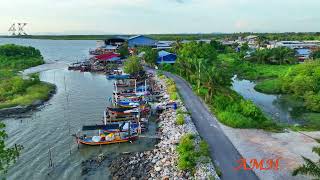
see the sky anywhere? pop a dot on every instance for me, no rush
(160, 16)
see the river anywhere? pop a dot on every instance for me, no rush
(80, 100)
(281, 108)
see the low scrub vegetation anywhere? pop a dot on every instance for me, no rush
(237, 112)
(172, 89)
(15, 90)
(180, 119)
(188, 155)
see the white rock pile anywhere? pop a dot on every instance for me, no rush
(161, 162)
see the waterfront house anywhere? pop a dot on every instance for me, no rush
(165, 57)
(141, 40)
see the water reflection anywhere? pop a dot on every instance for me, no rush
(281, 108)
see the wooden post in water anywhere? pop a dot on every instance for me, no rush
(50, 159)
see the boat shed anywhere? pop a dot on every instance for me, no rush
(141, 40)
(115, 41)
(165, 57)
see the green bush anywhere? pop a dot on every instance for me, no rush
(187, 155)
(232, 110)
(312, 101)
(180, 119)
(204, 148)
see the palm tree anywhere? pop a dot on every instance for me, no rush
(310, 167)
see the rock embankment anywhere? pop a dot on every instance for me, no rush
(161, 162)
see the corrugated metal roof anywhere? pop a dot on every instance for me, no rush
(163, 53)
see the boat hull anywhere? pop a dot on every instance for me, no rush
(81, 141)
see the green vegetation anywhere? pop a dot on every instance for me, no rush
(172, 89)
(310, 167)
(132, 65)
(204, 149)
(234, 111)
(280, 55)
(303, 81)
(36, 91)
(210, 73)
(316, 54)
(270, 86)
(150, 55)
(123, 50)
(15, 90)
(7, 155)
(187, 154)
(180, 111)
(254, 71)
(180, 119)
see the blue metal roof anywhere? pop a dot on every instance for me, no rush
(303, 51)
(163, 53)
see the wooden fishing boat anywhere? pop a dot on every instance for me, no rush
(127, 132)
(97, 140)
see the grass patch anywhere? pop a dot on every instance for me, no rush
(180, 119)
(180, 111)
(252, 71)
(187, 154)
(234, 111)
(271, 86)
(35, 92)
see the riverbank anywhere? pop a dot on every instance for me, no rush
(34, 97)
(20, 93)
(164, 161)
(258, 144)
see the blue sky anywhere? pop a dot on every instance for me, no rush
(160, 16)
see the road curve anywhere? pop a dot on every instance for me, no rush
(222, 150)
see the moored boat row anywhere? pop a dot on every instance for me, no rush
(127, 117)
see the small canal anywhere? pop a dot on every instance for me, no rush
(281, 108)
(80, 100)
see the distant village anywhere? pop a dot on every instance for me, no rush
(106, 51)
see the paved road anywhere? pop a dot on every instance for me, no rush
(222, 150)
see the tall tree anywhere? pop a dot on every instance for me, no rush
(132, 65)
(123, 50)
(150, 55)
